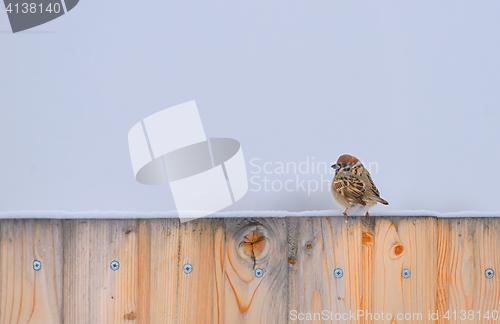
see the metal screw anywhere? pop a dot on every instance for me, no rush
(114, 265)
(406, 273)
(338, 273)
(259, 273)
(489, 273)
(37, 265)
(187, 268)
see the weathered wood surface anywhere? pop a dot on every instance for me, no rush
(447, 259)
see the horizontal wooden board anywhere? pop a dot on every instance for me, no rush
(251, 270)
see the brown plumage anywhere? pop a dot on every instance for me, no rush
(352, 185)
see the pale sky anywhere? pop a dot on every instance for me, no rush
(412, 87)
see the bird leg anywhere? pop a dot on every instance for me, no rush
(367, 215)
(345, 214)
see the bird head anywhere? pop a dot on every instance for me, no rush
(345, 163)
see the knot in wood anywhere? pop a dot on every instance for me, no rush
(309, 245)
(396, 251)
(367, 239)
(253, 244)
(130, 316)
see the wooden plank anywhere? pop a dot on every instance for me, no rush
(367, 250)
(324, 244)
(197, 294)
(148, 256)
(123, 283)
(467, 247)
(220, 246)
(26, 295)
(164, 263)
(95, 293)
(309, 277)
(345, 248)
(77, 247)
(144, 271)
(245, 246)
(401, 244)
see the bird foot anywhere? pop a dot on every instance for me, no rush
(367, 215)
(346, 217)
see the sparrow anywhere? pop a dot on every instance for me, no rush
(352, 185)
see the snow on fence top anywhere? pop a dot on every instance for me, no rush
(94, 214)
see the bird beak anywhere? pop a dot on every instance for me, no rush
(335, 166)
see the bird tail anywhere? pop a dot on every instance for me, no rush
(382, 201)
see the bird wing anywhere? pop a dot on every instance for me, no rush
(360, 171)
(350, 187)
(374, 189)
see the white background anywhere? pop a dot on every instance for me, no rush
(410, 85)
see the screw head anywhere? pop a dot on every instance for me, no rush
(37, 265)
(489, 273)
(114, 265)
(187, 268)
(259, 273)
(406, 273)
(338, 273)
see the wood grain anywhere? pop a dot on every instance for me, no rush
(367, 250)
(323, 245)
(467, 247)
(447, 259)
(243, 246)
(163, 274)
(95, 293)
(28, 296)
(197, 294)
(401, 244)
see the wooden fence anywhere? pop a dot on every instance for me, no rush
(251, 270)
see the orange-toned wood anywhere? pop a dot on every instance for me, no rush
(163, 270)
(467, 247)
(402, 244)
(197, 294)
(323, 245)
(93, 292)
(26, 295)
(447, 259)
(242, 246)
